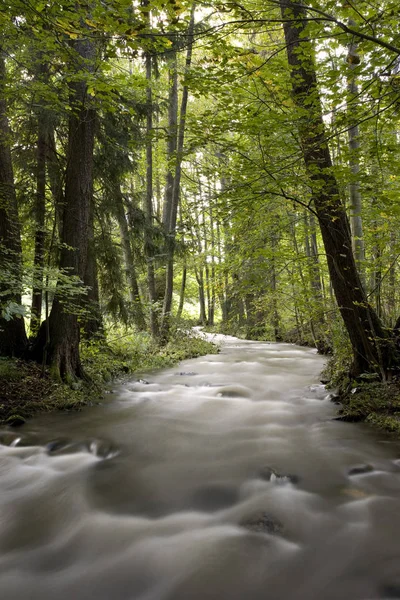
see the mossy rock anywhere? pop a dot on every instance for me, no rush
(15, 420)
(374, 402)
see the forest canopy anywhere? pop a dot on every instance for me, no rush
(234, 165)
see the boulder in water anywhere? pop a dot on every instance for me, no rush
(263, 523)
(360, 470)
(269, 474)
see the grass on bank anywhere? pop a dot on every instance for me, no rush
(363, 399)
(24, 392)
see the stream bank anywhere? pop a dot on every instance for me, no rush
(26, 391)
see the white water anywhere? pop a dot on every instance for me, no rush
(146, 497)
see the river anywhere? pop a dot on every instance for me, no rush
(225, 478)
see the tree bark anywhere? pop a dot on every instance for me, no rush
(40, 215)
(148, 242)
(173, 212)
(130, 271)
(372, 350)
(12, 329)
(61, 350)
(93, 324)
(182, 292)
(356, 224)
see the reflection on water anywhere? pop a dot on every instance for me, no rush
(223, 478)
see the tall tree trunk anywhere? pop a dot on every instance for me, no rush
(93, 323)
(172, 216)
(211, 315)
(275, 313)
(391, 297)
(12, 329)
(202, 298)
(172, 138)
(182, 292)
(61, 348)
(220, 276)
(353, 60)
(130, 271)
(40, 215)
(148, 241)
(56, 178)
(369, 341)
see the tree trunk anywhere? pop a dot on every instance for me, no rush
(12, 329)
(369, 341)
(93, 324)
(171, 142)
(173, 212)
(61, 350)
(202, 299)
(130, 271)
(182, 293)
(40, 215)
(56, 179)
(353, 60)
(211, 315)
(148, 241)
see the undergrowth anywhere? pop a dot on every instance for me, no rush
(25, 392)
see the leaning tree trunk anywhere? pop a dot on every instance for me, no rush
(372, 351)
(61, 348)
(12, 328)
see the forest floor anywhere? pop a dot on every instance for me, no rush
(375, 403)
(25, 391)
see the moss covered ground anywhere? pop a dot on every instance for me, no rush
(26, 391)
(365, 399)
(375, 403)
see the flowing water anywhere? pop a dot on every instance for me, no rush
(224, 478)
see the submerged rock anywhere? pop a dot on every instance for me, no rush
(183, 373)
(360, 470)
(100, 448)
(62, 446)
(349, 418)
(15, 420)
(391, 591)
(263, 523)
(269, 474)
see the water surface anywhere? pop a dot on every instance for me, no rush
(224, 478)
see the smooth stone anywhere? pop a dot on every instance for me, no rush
(183, 373)
(102, 449)
(268, 474)
(15, 421)
(360, 470)
(63, 446)
(263, 523)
